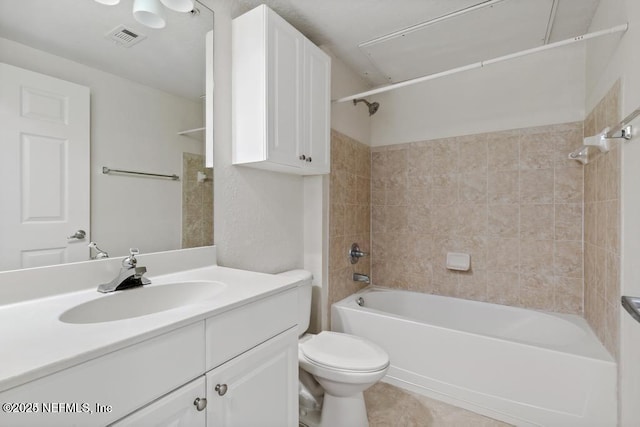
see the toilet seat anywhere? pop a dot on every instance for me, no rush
(339, 351)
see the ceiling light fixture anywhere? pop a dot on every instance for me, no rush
(149, 13)
(179, 5)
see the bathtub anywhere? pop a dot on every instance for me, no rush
(524, 367)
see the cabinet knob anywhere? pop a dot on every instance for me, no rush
(303, 157)
(309, 159)
(200, 403)
(221, 389)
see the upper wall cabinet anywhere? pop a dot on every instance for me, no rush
(281, 96)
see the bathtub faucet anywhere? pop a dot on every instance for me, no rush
(355, 253)
(357, 277)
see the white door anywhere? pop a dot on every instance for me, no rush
(184, 407)
(44, 193)
(257, 388)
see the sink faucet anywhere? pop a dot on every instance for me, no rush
(99, 252)
(130, 275)
(357, 277)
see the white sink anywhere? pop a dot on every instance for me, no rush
(142, 301)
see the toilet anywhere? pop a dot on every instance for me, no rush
(343, 365)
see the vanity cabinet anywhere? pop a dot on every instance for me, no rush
(251, 349)
(177, 409)
(281, 96)
(257, 388)
(106, 388)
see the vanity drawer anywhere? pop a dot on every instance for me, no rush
(125, 380)
(234, 332)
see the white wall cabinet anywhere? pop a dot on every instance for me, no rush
(281, 96)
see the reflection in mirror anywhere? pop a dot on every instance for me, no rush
(84, 86)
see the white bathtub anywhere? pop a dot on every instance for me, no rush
(520, 366)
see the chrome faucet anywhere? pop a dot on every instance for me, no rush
(357, 277)
(99, 252)
(130, 275)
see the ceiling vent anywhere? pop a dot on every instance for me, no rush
(124, 36)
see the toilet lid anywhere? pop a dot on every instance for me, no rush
(343, 351)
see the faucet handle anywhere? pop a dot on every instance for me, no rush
(131, 260)
(355, 253)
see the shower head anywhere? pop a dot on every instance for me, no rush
(373, 106)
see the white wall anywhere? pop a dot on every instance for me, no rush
(353, 121)
(629, 328)
(540, 89)
(613, 57)
(132, 127)
(258, 215)
(609, 59)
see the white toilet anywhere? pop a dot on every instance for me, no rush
(344, 365)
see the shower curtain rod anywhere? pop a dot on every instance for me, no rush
(617, 29)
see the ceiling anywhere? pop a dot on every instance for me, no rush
(384, 41)
(389, 41)
(170, 59)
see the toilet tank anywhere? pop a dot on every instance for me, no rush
(304, 297)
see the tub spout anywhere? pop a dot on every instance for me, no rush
(357, 277)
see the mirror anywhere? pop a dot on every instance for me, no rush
(144, 113)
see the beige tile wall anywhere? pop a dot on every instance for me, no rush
(349, 213)
(197, 202)
(511, 199)
(602, 227)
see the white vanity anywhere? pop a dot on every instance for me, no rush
(218, 346)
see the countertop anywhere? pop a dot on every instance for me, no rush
(35, 343)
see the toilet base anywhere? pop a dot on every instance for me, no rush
(344, 411)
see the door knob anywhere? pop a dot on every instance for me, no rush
(79, 235)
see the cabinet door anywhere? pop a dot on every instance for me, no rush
(257, 388)
(177, 409)
(284, 91)
(317, 113)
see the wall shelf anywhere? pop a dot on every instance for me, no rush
(195, 133)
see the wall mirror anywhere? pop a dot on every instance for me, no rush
(88, 72)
